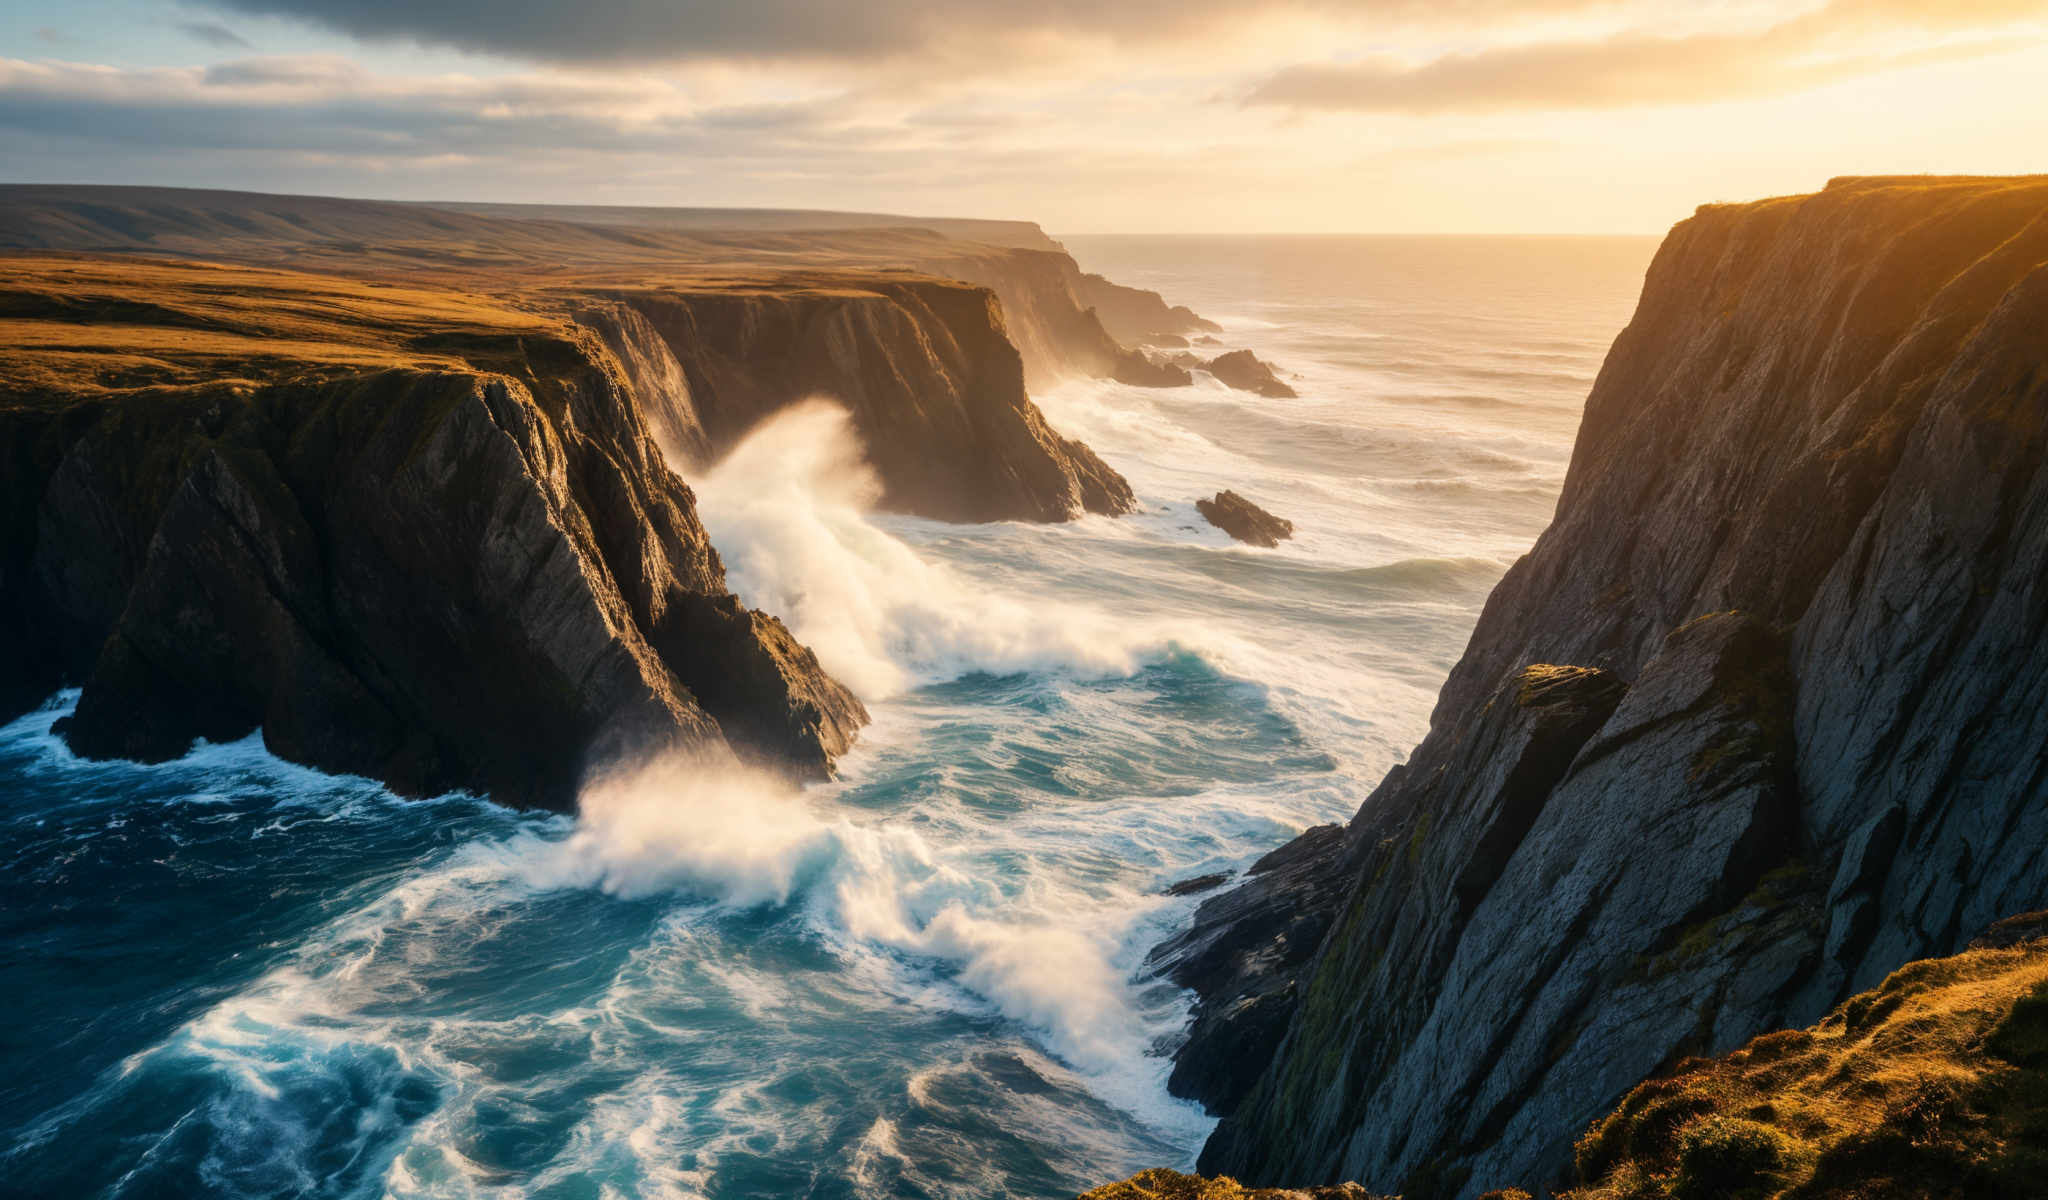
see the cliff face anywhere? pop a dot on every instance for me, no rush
(925, 366)
(756, 310)
(411, 534)
(1064, 322)
(1933, 1084)
(1758, 719)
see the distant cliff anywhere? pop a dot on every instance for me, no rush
(1062, 321)
(925, 366)
(1760, 717)
(409, 533)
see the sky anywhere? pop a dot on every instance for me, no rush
(1088, 116)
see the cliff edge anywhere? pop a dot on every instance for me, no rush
(411, 533)
(1759, 718)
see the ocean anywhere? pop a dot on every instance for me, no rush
(232, 976)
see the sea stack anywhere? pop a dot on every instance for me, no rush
(1244, 371)
(1245, 521)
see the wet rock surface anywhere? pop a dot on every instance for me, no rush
(1243, 956)
(1139, 369)
(924, 366)
(1825, 762)
(1243, 520)
(1244, 371)
(466, 568)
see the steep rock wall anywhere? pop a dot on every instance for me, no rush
(925, 366)
(469, 570)
(1066, 322)
(1805, 534)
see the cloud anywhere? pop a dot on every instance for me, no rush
(333, 106)
(220, 37)
(1845, 38)
(596, 31)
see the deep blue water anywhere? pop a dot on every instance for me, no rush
(232, 976)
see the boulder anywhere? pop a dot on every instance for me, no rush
(1244, 371)
(1245, 521)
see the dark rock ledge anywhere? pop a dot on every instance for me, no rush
(1245, 521)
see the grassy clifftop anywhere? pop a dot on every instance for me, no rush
(1934, 1084)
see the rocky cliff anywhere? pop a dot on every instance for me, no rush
(410, 533)
(925, 366)
(1932, 1084)
(1061, 320)
(1758, 719)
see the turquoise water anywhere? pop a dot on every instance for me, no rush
(232, 976)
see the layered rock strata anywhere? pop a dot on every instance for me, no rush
(935, 388)
(409, 534)
(1759, 718)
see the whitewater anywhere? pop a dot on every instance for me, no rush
(243, 978)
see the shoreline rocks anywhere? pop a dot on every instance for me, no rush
(1245, 371)
(1245, 521)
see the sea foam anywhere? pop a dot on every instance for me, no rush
(790, 509)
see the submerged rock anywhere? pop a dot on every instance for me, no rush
(1245, 521)
(1244, 371)
(1243, 956)
(1195, 885)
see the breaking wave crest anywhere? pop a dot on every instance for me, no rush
(791, 510)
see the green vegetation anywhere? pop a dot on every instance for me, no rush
(1934, 1084)
(1161, 1184)
(1931, 1085)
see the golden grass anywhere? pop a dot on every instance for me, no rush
(1161, 1184)
(73, 326)
(1930, 1085)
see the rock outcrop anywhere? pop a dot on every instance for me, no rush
(1243, 956)
(935, 388)
(1244, 371)
(1934, 1083)
(411, 534)
(1137, 315)
(1790, 737)
(1139, 369)
(1062, 321)
(1243, 520)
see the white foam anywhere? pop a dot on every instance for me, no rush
(789, 510)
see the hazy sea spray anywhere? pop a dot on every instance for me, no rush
(790, 511)
(742, 837)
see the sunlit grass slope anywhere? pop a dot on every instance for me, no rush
(1934, 1084)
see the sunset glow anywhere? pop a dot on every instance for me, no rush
(1287, 116)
